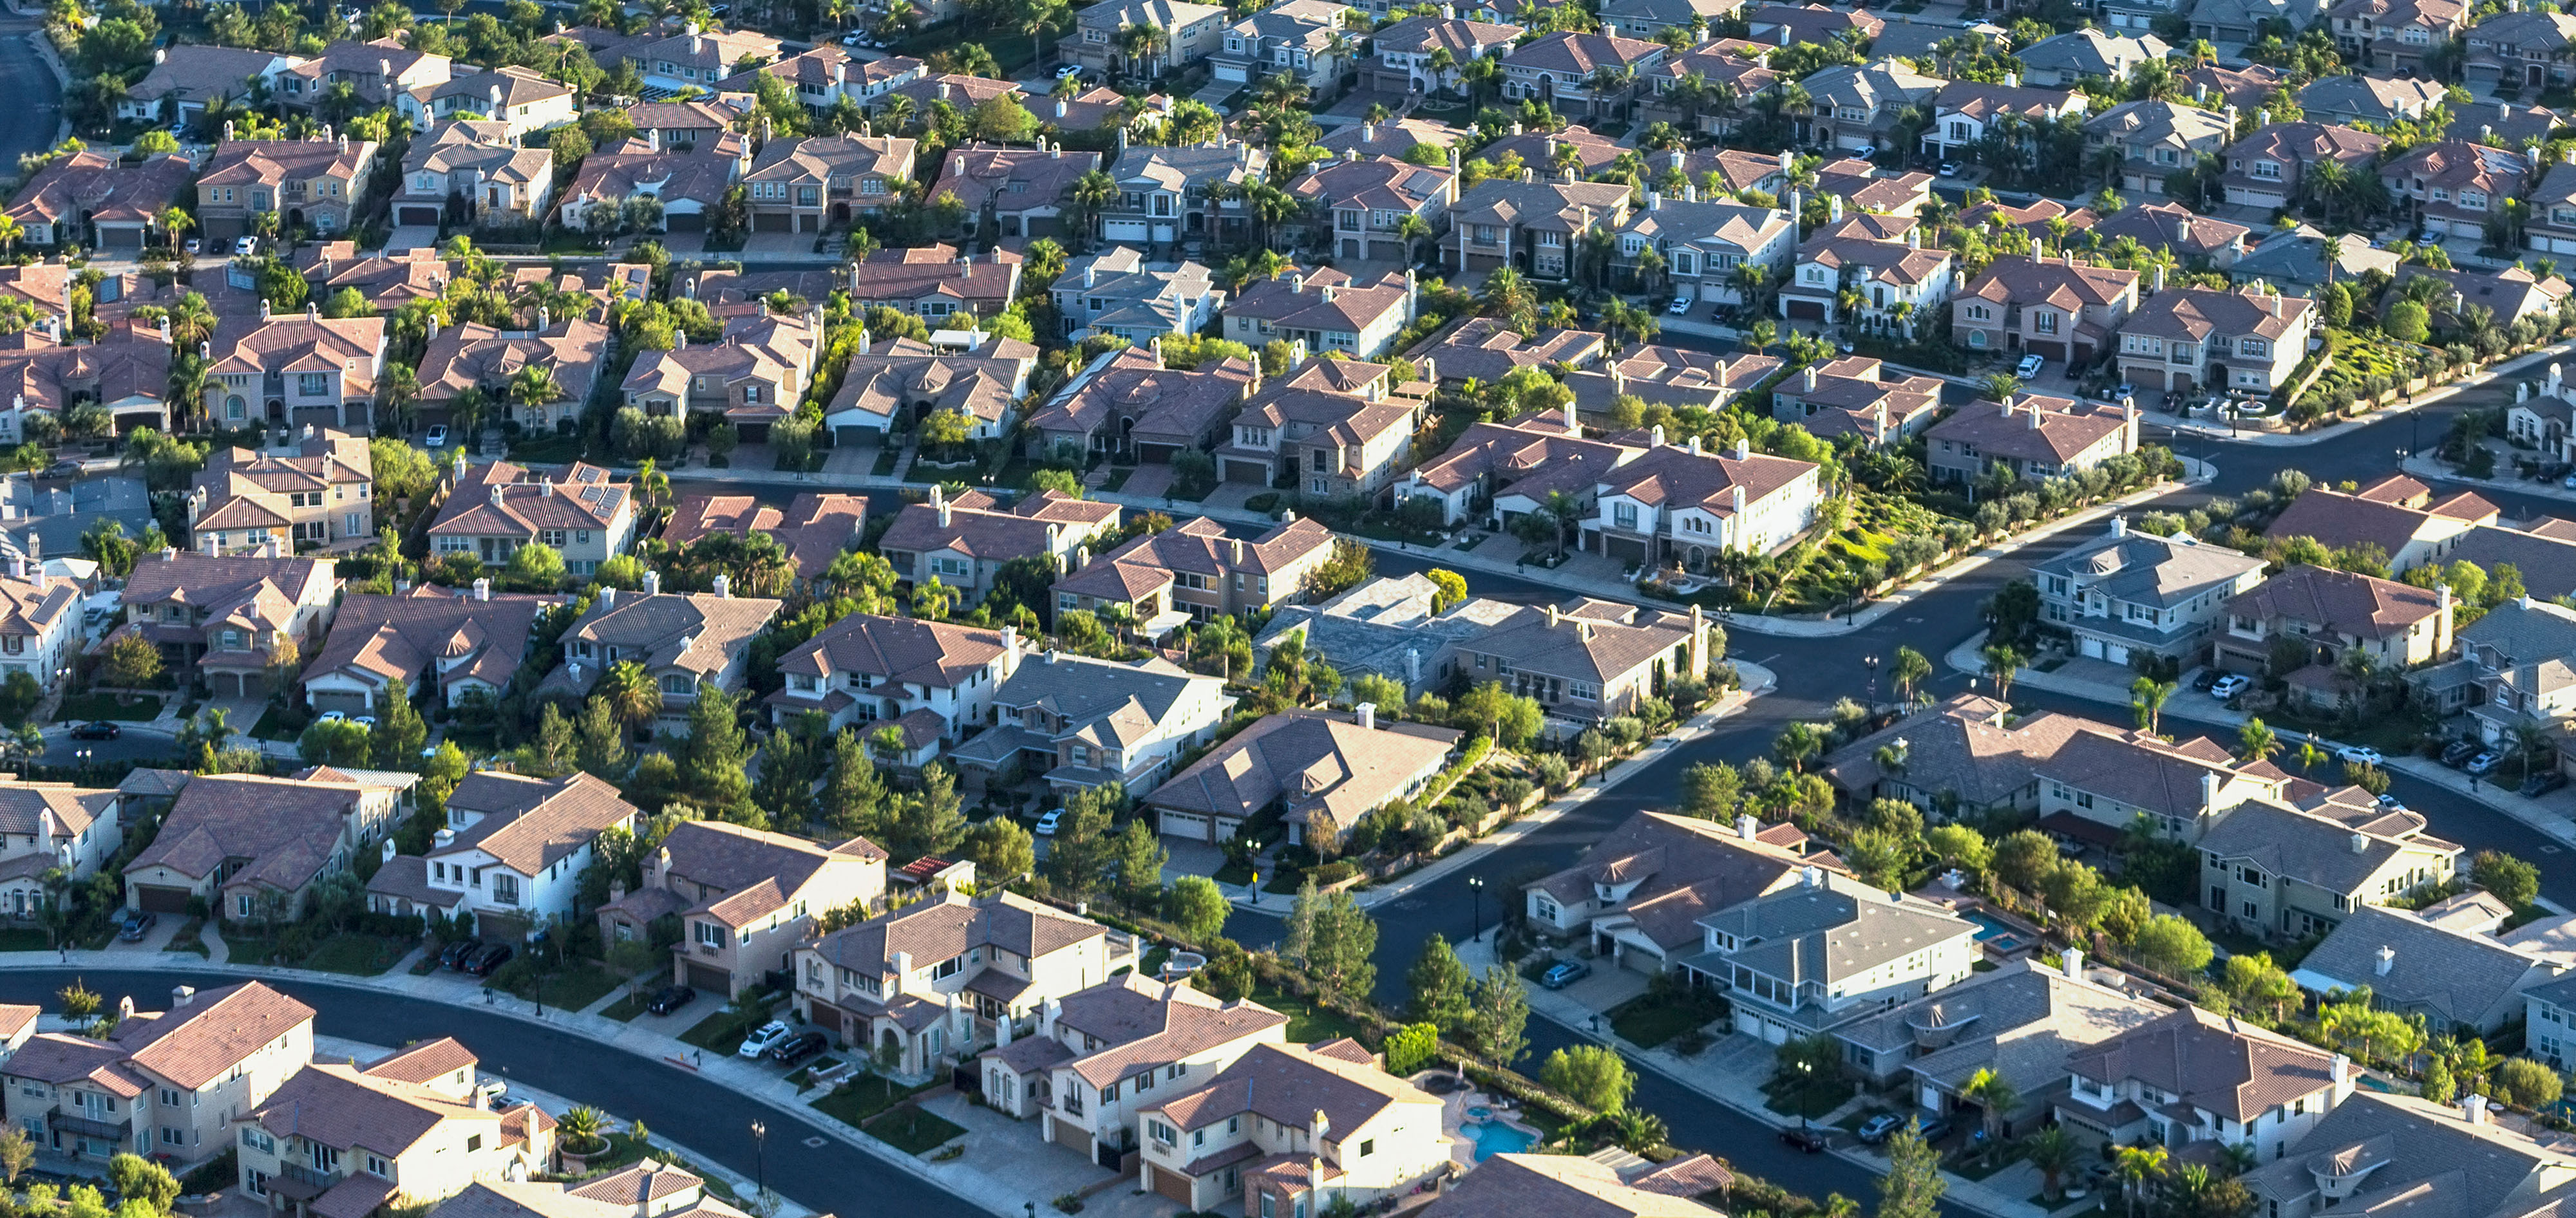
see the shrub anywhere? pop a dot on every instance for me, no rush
(1411, 1048)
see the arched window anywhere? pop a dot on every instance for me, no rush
(234, 406)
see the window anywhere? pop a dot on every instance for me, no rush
(949, 967)
(711, 934)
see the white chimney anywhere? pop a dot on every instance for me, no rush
(652, 583)
(2361, 843)
(2119, 526)
(2387, 960)
(2342, 1071)
(2473, 1109)
(2208, 792)
(482, 589)
(182, 995)
(901, 965)
(2071, 963)
(1746, 826)
(723, 585)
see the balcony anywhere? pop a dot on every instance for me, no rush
(314, 1176)
(88, 1127)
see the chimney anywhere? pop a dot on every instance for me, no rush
(1047, 1015)
(1807, 378)
(1551, 617)
(182, 995)
(2071, 963)
(901, 965)
(442, 839)
(652, 583)
(2209, 784)
(1011, 641)
(2473, 1109)
(387, 855)
(2119, 526)
(723, 585)
(1743, 449)
(942, 505)
(1655, 436)
(2361, 843)
(2342, 1071)
(607, 599)
(1746, 827)
(482, 589)
(1811, 876)
(1737, 500)
(2034, 416)
(2556, 380)
(2387, 960)
(2443, 591)
(1368, 716)
(263, 308)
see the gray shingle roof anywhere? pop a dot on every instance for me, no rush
(2420, 1160)
(2463, 978)
(2020, 1021)
(2152, 570)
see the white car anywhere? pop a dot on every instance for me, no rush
(1071, 69)
(334, 716)
(763, 1038)
(366, 721)
(1949, 169)
(2029, 366)
(2230, 685)
(852, 40)
(1680, 306)
(245, 246)
(438, 435)
(1047, 822)
(2354, 754)
(193, 246)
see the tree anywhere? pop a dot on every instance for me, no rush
(634, 959)
(1343, 938)
(2137, 1166)
(1081, 850)
(2254, 981)
(399, 734)
(1451, 588)
(2512, 880)
(854, 800)
(1591, 1075)
(1913, 1185)
(1141, 859)
(2147, 697)
(133, 662)
(2407, 321)
(1498, 1015)
(1000, 848)
(2256, 742)
(1440, 985)
(1194, 903)
(2053, 1152)
(139, 1179)
(631, 693)
(17, 1153)
(1908, 668)
(1228, 974)
(600, 746)
(534, 567)
(2024, 857)
(2003, 662)
(335, 742)
(2171, 945)
(1995, 1097)
(931, 821)
(1710, 790)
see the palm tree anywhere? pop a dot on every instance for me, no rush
(1034, 18)
(2332, 253)
(1141, 42)
(1640, 1132)
(1093, 192)
(2256, 742)
(2001, 386)
(1612, 80)
(652, 483)
(1995, 1097)
(1480, 73)
(1283, 89)
(2003, 662)
(192, 320)
(397, 393)
(2147, 696)
(897, 111)
(1441, 61)
(1413, 231)
(2139, 1164)
(10, 231)
(2052, 1152)
(176, 222)
(631, 692)
(534, 386)
(1506, 295)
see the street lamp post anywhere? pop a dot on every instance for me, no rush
(760, 1158)
(1475, 907)
(1806, 1070)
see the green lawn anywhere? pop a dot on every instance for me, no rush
(108, 706)
(358, 955)
(858, 1100)
(573, 987)
(1648, 1022)
(914, 1131)
(625, 1009)
(1307, 1022)
(24, 939)
(725, 1029)
(1812, 1101)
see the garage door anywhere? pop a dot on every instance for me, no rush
(1123, 230)
(1172, 1185)
(2117, 653)
(254, 685)
(1246, 471)
(122, 235)
(1748, 1023)
(416, 214)
(685, 221)
(339, 700)
(1229, 71)
(161, 898)
(1806, 310)
(1069, 1134)
(769, 222)
(1183, 824)
(2093, 648)
(711, 979)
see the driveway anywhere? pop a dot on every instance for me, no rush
(1607, 987)
(1010, 1148)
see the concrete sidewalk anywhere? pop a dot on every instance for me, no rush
(2429, 397)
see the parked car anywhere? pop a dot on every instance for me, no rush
(135, 924)
(1071, 69)
(1948, 169)
(1808, 1141)
(2390, 803)
(1876, 1129)
(244, 247)
(670, 998)
(438, 436)
(1048, 820)
(2458, 752)
(2206, 678)
(764, 1038)
(97, 729)
(1936, 1129)
(2029, 366)
(1680, 306)
(2230, 685)
(1564, 974)
(2542, 783)
(797, 1048)
(1865, 154)
(66, 468)
(193, 246)
(2354, 754)
(453, 956)
(333, 716)
(489, 960)
(2485, 762)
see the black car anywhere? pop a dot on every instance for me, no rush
(2458, 752)
(135, 924)
(454, 955)
(797, 1048)
(2207, 678)
(97, 729)
(671, 998)
(490, 959)
(2543, 783)
(1810, 1141)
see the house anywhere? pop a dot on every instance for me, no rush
(2376, 1148)
(1852, 396)
(1667, 376)
(1083, 723)
(2456, 187)
(2190, 236)
(383, 1135)
(1326, 769)
(1565, 71)
(670, 61)
(1408, 139)
(2231, 1083)
(315, 182)
(470, 356)
(2059, 310)
(1531, 226)
(933, 679)
(1859, 184)
(2099, 784)
(1856, 106)
(935, 283)
(1324, 309)
(2241, 341)
(40, 626)
(1680, 507)
(1022, 192)
(1389, 627)
(1117, 293)
(981, 382)
(513, 849)
(963, 543)
(1733, 78)
(519, 99)
(2020, 1021)
(1404, 52)
(93, 198)
(494, 508)
(2269, 167)
(1290, 1125)
(1370, 201)
(2330, 613)
(1640, 891)
(2520, 49)
(1708, 250)
(453, 645)
(381, 73)
(811, 183)
(2069, 59)
(2297, 259)
(649, 1188)
(934, 981)
(296, 371)
(1787, 24)
(2409, 533)
(1803, 960)
(1647, 19)
(2137, 593)
(384, 283)
(247, 848)
(1099, 1053)
(687, 641)
(1295, 38)
(2505, 126)
(826, 75)
(679, 126)
(687, 183)
(1963, 111)
(1587, 661)
(744, 899)
(1191, 32)
(1166, 195)
(2042, 218)
(2510, 295)
(1331, 429)
(2276, 870)
(1889, 281)
(127, 372)
(1561, 1184)
(229, 614)
(1967, 751)
(2460, 981)
(474, 171)
(1540, 155)
(2377, 100)
(54, 827)
(162, 1083)
(2242, 21)
(2396, 35)
(2153, 138)
(753, 376)
(187, 79)
(2516, 653)
(1488, 350)
(1128, 403)
(1194, 572)
(314, 494)
(814, 529)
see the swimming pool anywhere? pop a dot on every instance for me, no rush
(1995, 932)
(1496, 1138)
(1480, 1112)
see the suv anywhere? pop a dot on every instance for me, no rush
(2029, 366)
(670, 998)
(2230, 685)
(2542, 783)
(764, 1038)
(135, 924)
(1564, 974)
(2458, 752)
(796, 1048)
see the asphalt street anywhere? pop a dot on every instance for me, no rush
(28, 92)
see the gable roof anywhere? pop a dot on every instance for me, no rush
(2213, 1062)
(529, 824)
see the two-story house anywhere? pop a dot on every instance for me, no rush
(1964, 110)
(493, 509)
(1638, 895)
(936, 981)
(1294, 38)
(1574, 73)
(2135, 594)
(128, 372)
(514, 847)
(1856, 106)
(962, 543)
(1405, 50)
(314, 183)
(745, 899)
(686, 642)
(2193, 1076)
(314, 493)
(474, 171)
(2456, 187)
(518, 98)
(687, 183)
(1852, 396)
(1804, 960)
(380, 73)
(1681, 507)
(1585, 661)
(1081, 723)
(40, 622)
(2155, 139)
(2033, 436)
(1333, 429)
(1326, 769)
(2397, 514)
(1118, 293)
(1195, 572)
(227, 614)
(163, 1083)
(1021, 192)
(49, 827)
(2019, 1022)
(2519, 49)
(2269, 168)
(96, 198)
(1863, 271)
(2287, 872)
(294, 371)
(753, 376)
(2444, 964)
(1529, 225)
(1190, 33)
(1128, 403)
(1705, 247)
(2098, 784)
(1165, 195)
(2393, 35)
(186, 78)
(935, 283)
(247, 848)
(1500, 472)
(571, 351)
(410, 1129)
(2334, 613)
(2069, 59)
(2236, 341)
(1287, 1126)
(2060, 310)
(2515, 652)
(1370, 200)
(811, 183)
(2376, 100)
(427, 640)
(933, 680)
(1324, 311)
